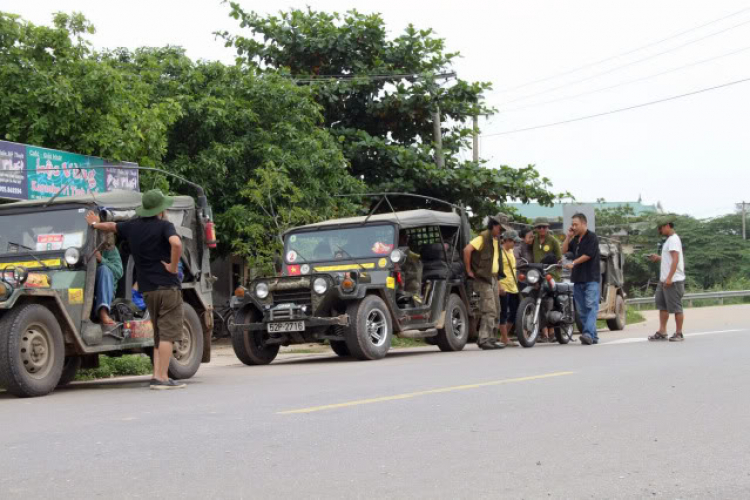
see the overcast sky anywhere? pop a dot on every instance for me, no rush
(692, 154)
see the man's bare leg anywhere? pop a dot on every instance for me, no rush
(164, 355)
(663, 318)
(504, 334)
(679, 318)
(156, 363)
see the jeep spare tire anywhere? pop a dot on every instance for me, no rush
(32, 352)
(370, 329)
(188, 351)
(250, 346)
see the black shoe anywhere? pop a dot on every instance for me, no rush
(677, 337)
(498, 344)
(596, 341)
(488, 346)
(158, 385)
(586, 339)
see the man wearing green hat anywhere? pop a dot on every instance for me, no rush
(671, 285)
(156, 249)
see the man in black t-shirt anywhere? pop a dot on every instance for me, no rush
(586, 275)
(156, 249)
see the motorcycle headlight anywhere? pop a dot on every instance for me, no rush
(320, 285)
(72, 256)
(261, 290)
(533, 277)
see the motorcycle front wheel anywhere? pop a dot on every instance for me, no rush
(526, 331)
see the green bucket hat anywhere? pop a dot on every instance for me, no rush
(511, 235)
(541, 222)
(153, 203)
(664, 220)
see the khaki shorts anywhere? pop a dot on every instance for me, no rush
(165, 308)
(670, 298)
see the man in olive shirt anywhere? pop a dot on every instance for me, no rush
(586, 275)
(545, 244)
(482, 261)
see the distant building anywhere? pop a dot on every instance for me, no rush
(555, 212)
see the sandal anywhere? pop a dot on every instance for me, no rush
(658, 336)
(677, 337)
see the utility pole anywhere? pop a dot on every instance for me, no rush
(439, 160)
(744, 234)
(476, 139)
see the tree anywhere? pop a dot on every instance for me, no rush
(377, 97)
(253, 141)
(55, 91)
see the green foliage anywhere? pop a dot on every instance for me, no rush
(716, 256)
(124, 366)
(380, 111)
(56, 92)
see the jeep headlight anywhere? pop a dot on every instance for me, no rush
(320, 285)
(4, 291)
(261, 290)
(397, 256)
(533, 277)
(72, 256)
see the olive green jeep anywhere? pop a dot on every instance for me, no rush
(357, 282)
(47, 280)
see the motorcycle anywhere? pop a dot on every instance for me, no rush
(545, 302)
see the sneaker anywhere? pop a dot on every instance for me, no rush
(596, 341)
(677, 337)
(158, 385)
(586, 339)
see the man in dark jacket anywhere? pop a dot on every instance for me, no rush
(482, 261)
(586, 275)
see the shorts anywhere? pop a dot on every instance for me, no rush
(508, 307)
(165, 308)
(670, 298)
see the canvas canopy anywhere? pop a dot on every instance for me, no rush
(406, 220)
(116, 200)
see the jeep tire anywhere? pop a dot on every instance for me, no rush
(70, 369)
(32, 353)
(370, 329)
(249, 346)
(187, 352)
(340, 348)
(455, 334)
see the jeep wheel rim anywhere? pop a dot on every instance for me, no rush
(458, 322)
(37, 351)
(377, 327)
(181, 349)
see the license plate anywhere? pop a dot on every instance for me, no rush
(288, 326)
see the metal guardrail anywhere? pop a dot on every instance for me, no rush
(690, 297)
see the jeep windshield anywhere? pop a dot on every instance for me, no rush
(352, 243)
(42, 231)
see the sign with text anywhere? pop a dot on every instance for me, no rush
(50, 171)
(12, 175)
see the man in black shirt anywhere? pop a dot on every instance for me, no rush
(156, 249)
(586, 275)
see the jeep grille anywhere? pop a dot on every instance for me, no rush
(299, 297)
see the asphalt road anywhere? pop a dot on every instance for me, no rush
(624, 419)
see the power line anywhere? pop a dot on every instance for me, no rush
(392, 76)
(606, 59)
(565, 98)
(617, 110)
(631, 63)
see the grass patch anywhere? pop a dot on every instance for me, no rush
(128, 365)
(399, 342)
(632, 316)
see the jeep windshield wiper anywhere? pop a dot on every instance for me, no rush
(30, 254)
(350, 257)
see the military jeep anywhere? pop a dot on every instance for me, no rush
(48, 329)
(357, 282)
